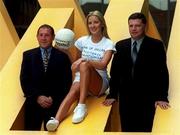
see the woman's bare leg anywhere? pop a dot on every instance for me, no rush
(71, 97)
(90, 80)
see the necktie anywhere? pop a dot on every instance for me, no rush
(45, 60)
(134, 51)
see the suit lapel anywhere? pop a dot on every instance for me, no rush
(51, 58)
(142, 49)
(129, 50)
(38, 60)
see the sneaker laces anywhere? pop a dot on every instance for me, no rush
(52, 118)
(80, 109)
(55, 120)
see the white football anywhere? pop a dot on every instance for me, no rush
(64, 38)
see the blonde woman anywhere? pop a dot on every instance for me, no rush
(90, 69)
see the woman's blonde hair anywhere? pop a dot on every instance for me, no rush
(102, 20)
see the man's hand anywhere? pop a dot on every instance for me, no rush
(162, 104)
(109, 102)
(44, 102)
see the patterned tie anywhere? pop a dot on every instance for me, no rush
(46, 59)
(134, 52)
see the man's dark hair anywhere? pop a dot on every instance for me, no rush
(46, 26)
(138, 15)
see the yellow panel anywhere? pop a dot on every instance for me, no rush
(8, 35)
(169, 121)
(117, 15)
(79, 19)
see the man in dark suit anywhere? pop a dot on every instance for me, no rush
(139, 76)
(44, 84)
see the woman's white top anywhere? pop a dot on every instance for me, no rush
(95, 51)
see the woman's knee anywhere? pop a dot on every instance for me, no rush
(84, 67)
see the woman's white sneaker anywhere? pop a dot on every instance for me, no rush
(52, 124)
(80, 113)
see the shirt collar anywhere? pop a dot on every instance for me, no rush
(48, 49)
(139, 42)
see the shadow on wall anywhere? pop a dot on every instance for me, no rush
(163, 20)
(22, 12)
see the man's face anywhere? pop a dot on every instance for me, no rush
(136, 28)
(45, 37)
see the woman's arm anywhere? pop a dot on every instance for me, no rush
(104, 62)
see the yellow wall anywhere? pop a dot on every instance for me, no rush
(79, 18)
(168, 121)
(8, 35)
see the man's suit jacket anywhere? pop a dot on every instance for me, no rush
(150, 80)
(138, 90)
(55, 82)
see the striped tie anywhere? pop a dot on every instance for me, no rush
(134, 56)
(45, 59)
(134, 52)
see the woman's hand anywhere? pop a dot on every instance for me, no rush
(62, 49)
(75, 65)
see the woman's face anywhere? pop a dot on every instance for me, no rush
(94, 25)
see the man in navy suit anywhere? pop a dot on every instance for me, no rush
(140, 81)
(44, 86)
